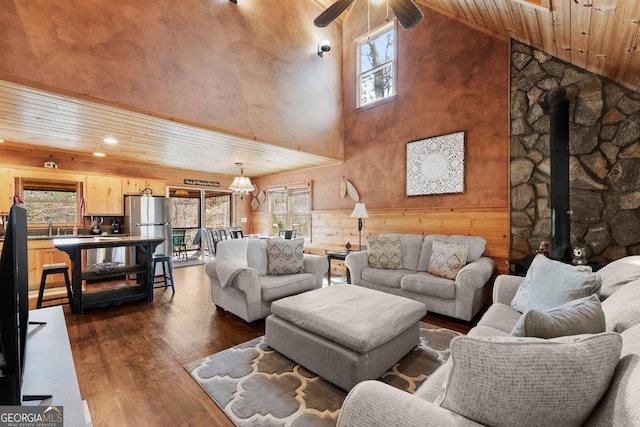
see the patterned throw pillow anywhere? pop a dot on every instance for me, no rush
(447, 259)
(285, 256)
(384, 252)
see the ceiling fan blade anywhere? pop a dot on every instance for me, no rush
(332, 12)
(407, 13)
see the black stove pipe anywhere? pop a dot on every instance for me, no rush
(558, 106)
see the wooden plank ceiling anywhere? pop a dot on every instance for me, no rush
(598, 35)
(32, 116)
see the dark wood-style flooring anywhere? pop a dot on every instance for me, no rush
(129, 358)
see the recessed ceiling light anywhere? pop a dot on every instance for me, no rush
(110, 140)
(1, 141)
(99, 154)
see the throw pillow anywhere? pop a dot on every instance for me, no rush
(554, 276)
(580, 316)
(505, 381)
(285, 256)
(384, 252)
(447, 259)
(622, 309)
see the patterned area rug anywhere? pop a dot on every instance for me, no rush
(256, 386)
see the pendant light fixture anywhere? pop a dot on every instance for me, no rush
(241, 184)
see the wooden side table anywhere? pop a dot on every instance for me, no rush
(339, 255)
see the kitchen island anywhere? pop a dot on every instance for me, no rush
(103, 296)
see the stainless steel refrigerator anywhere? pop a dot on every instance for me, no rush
(149, 216)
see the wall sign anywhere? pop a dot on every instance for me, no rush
(199, 182)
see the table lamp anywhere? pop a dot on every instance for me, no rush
(359, 211)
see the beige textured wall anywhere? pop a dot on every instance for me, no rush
(250, 69)
(450, 78)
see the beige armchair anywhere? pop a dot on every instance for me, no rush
(250, 291)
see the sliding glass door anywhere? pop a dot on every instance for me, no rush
(194, 211)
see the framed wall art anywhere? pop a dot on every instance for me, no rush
(436, 165)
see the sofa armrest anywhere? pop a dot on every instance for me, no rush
(476, 274)
(246, 280)
(505, 287)
(373, 403)
(210, 269)
(356, 262)
(316, 265)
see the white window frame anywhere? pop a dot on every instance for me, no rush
(391, 26)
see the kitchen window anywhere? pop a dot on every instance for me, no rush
(376, 65)
(55, 201)
(289, 208)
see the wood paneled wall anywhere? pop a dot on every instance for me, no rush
(332, 229)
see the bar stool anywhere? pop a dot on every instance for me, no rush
(58, 268)
(167, 266)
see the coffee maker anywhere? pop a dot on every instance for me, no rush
(116, 226)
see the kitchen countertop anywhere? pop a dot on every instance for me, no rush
(102, 241)
(68, 236)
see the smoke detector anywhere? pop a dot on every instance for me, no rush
(51, 165)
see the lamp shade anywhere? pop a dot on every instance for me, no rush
(241, 184)
(359, 211)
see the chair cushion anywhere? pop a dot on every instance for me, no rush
(384, 252)
(285, 256)
(276, 287)
(507, 381)
(551, 283)
(501, 317)
(447, 259)
(384, 277)
(580, 316)
(428, 284)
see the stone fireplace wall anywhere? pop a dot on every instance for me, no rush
(604, 162)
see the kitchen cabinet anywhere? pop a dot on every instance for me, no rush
(6, 190)
(136, 185)
(103, 195)
(42, 252)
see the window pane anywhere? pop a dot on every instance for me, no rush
(290, 209)
(376, 85)
(218, 211)
(376, 51)
(376, 65)
(185, 212)
(59, 206)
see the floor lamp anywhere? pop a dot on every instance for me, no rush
(359, 211)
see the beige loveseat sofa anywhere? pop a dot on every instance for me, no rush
(461, 297)
(587, 379)
(252, 283)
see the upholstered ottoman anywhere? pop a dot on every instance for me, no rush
(345, 334)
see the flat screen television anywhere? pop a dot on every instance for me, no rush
(14, 306)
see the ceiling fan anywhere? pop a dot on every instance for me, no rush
(408, 14)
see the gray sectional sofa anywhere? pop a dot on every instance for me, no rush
(586, 379)
(461, 297)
